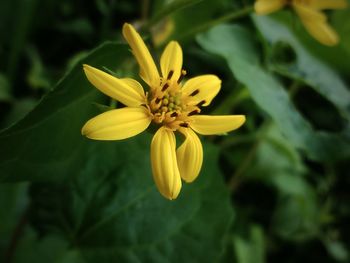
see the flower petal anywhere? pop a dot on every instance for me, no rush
(134, 84)
(322, 32)
(264, 7)
(121, 90)
(316, 24)
(328, 4)
(209, 125)
(148, 70)
(171, 60)
(190, 156)
(117, 124)
(202, 88)
(164, 166)
(308, 14)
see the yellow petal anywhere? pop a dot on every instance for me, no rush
(134, 84)
(115, 88)
(202, 88)
(209, 125)
(308, 14)
(322, 32)
(328, 4)
(171, 60)
(264, 7)
(190, 156)
(148, 70)
(117, 124)
(164, 166)
(316, 24)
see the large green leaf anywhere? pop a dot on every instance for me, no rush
(48, 141)
(236, 45)
(306, 67)
(111, 210)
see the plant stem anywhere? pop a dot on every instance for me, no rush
(294, 88)
(145, 9)
(17, 233)
(168, 9)
(227, 17)
(236, 178)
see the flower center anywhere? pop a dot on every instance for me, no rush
(167, 104)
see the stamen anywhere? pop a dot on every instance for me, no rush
(174, 114)
(184, 125)
(194, 93)
(182, 75)
(193, 112)
(170, 74)
(201, 103)
(157, 100)
(166, 85)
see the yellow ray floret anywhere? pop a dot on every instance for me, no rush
(164, 166)
(190, 156)
(168, 103)
(117, 124)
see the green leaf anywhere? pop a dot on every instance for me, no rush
(236, 46)
(306, 68)
(111, 210)
(337, 249)
(250, 249)
(280, 155)
(33, 249)
(48, 140)
(297, 215)
(37, 76)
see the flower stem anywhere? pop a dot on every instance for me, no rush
(227, 17)
(169, 9)
(144, 9)
(236, 178)
(16, 236)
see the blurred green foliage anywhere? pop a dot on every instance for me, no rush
(274, 191)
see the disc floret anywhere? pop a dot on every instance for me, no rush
(168, 105)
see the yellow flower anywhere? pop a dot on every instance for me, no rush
(168, 103)
(309, 12)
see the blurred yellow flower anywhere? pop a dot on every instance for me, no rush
(310, 14)
(162, 31)
(168, 103)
